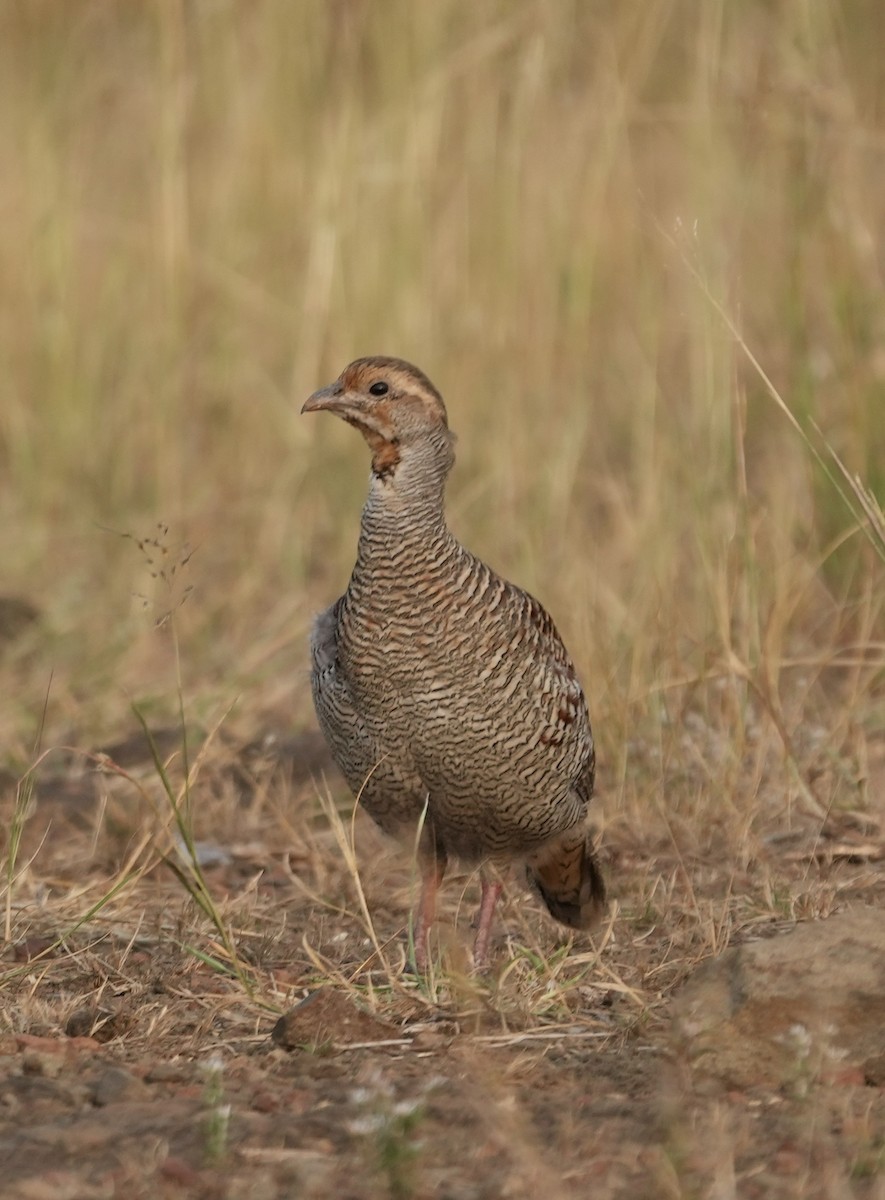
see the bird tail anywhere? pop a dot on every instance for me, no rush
(566, 876)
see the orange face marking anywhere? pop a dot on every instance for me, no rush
(385, 455)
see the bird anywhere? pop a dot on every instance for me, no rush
(445, 693)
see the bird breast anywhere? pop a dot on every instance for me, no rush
(465, 670)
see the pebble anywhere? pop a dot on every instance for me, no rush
(115, 1084)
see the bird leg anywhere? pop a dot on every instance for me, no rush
(490, 890)
(433, 868)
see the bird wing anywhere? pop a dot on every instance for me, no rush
(386, 783)
(324, 638)
(563, 706)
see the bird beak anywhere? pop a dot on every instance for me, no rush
(329, 398)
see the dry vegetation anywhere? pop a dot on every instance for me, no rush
(638, 247)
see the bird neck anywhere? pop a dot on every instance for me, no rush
(408, 497)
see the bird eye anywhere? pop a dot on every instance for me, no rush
(379, 389)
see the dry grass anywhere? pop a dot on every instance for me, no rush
(637, 247)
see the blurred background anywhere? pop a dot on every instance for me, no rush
(598, 227)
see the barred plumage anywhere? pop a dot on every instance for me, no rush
(442, 687)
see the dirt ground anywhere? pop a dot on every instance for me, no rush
(132, 1064)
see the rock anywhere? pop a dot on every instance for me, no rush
(328, 1019)
(783, 1011)
(102, 1024)
(67, 1047)
(114, 1085)
(180, 1173)
(169, 1072)
(35, 947)
(39, 1062)
(16, 615)
(59, 1185)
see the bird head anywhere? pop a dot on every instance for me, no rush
(391, 403)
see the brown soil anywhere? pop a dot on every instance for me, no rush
(132, 1066)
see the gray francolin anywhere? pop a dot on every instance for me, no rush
(445, 693)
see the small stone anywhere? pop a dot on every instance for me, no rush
(168, 1072)
(809, 1004)
(58, 1185)
(38, 1062)
(265, 1102)
(845, 1076)
(114, 1085)
(55, 1045)
(431, 1039)
(16, 615)
(102, 1024)
(180, 1172)
(49, 1045)
(34, 947)
(326, 1020)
